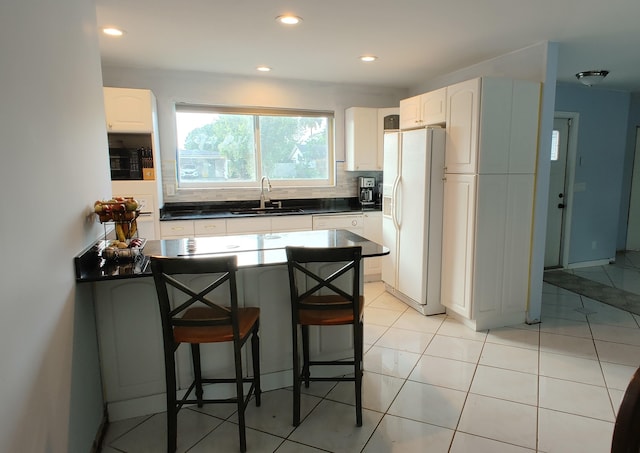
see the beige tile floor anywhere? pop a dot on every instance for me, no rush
(433, 385)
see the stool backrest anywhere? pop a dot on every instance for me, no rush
(306, 281)
(216, 271)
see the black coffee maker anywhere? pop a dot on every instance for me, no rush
(366, 189)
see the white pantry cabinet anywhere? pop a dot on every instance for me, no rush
(129, 110)
(492, 129)
(132, 122)
(424, 109)
(492, 126)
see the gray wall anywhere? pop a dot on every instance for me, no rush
(600, 166)
(632, 125)
(54, 165)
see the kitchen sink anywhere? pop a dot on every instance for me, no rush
(269, 211)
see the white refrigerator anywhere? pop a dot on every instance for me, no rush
(412, 216)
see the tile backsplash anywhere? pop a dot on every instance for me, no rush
(346, 186)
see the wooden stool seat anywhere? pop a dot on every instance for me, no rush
(247, 318)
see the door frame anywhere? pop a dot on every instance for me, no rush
(572, 152)
(634, 194)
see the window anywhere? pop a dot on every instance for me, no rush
(236, 147)
(555, 143)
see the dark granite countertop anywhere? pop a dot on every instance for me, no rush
(252, 250)
(232, 209)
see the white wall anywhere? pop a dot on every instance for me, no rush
(54, 165)
(171, 87)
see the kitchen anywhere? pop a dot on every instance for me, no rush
(51, 379)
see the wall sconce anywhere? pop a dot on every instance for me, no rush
(590, 78)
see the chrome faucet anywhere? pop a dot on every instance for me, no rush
(264, 198)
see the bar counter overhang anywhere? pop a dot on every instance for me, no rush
(128, 319)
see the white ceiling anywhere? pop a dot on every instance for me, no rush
(414, 39)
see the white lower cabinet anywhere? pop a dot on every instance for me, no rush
(210, 227)
(486, 248)
(351, 222)
(249, 225)
(130, 339)
(367, 225)
(291, 223)
(177, 229)
(373, 231)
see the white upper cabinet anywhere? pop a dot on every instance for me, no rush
(424, 110)
(463, 115)
(492, 126)
(361, 139)
(129, 109)
(364, 131)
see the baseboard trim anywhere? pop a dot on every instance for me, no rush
(102, 431)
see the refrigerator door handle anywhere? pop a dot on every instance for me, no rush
(394, 203)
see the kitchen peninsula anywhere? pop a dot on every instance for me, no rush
(128, 320)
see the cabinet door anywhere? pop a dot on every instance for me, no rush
(458, 242)
(210, 227)
(351, 222)
(463, 116)
(176, 229)
(291, 223)
(410, 113)
(130, 339)
(433, 107)
(361, 139)
(128, 110)
(372, 223)
(249, 225)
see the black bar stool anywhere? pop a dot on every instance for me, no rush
(324, 301)
(626, 431)
(196, 319)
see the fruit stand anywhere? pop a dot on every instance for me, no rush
(122, 212)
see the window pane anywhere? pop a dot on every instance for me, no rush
(294, 147)
(215, 147)
(236, 146)
(555, 143)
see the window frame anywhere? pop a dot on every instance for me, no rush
(256, 112)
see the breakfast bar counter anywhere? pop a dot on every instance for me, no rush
(128, 318)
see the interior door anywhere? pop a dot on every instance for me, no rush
(633, 223)
(557, 193)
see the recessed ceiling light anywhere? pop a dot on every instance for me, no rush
(263, 68)
(112, 31)
(368, 58)
(289, 19)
